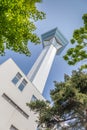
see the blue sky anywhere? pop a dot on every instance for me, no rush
(67, 16)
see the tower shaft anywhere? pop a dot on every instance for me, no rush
(39, 73)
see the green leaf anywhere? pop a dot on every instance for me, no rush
(17, 24)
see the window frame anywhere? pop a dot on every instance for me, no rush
(17, 78)
(11, 102)
(22, 85)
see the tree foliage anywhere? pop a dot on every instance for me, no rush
(69, 99)
(79, 51)
(17, 26)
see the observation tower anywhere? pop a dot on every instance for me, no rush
(53, 43)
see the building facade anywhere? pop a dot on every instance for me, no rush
(15, 91)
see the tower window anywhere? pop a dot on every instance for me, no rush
(16, 78)
(22, 85)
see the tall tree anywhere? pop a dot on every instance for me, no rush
(69, 104)
(79, 51)
(17, 26)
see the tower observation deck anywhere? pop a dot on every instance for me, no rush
(53, 43)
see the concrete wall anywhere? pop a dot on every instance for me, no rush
(9, 115)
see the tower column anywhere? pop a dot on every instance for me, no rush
(39, 73)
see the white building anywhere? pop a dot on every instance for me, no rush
(16, 89)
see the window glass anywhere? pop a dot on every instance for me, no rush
(16, 78)
(22, 85)
(33, 98)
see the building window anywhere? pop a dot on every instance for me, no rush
(10, 101)
(22, 85)
(16, 78)
(33, 98)
(13, 128)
